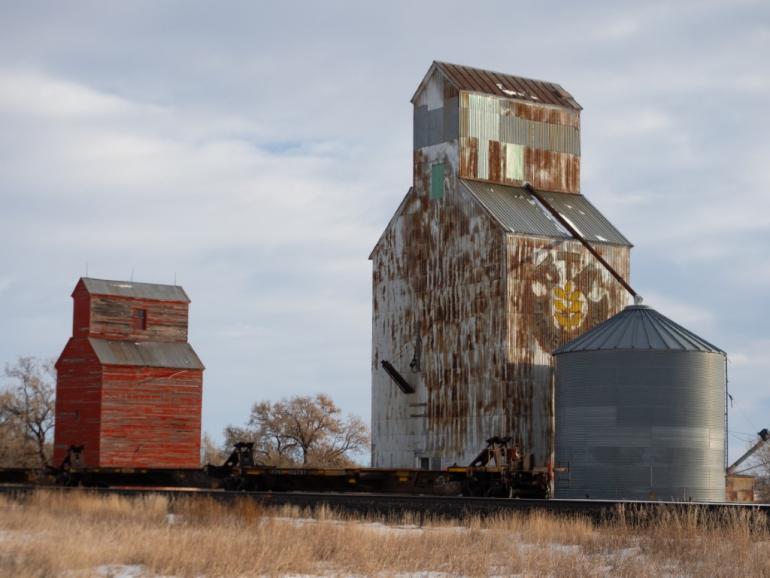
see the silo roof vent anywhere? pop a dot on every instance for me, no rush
(638, 327)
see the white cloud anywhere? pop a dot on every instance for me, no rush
(31, 93)
(689, 315)
(754, 354)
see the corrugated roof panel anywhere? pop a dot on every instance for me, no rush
(135, 290)
(519, 212)
(586, 218)
(516, 209)
(146, 354)
(507, 85)
(638, 327)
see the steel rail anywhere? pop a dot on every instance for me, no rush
(395, 504)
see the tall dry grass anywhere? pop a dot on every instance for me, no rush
(73, 534)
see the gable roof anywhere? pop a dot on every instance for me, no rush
(519, 212)
(146, 354)
(135, 290)
(501, 84)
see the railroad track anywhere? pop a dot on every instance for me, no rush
(395, 504)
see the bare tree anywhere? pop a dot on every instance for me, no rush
(211, 453)
(758, 465)
(27, 404)
(15, 449)
(305, 430)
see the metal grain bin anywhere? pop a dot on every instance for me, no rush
(640, 412)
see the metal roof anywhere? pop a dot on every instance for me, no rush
(146, 354)
(504, 85)
(638, 327)
(519, 212)
(135, 290)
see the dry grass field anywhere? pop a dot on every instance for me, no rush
(53, 535)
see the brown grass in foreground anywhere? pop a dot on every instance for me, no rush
(67, 534)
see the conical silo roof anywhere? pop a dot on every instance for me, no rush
(638, 327)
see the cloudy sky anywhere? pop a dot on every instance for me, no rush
(255, 152)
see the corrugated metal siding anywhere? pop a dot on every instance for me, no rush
(492, 119)
(507, 85)
(483, 304)
(498, 136)
(135, 290)
(485, 307)
(437, 280)
(519, 212)
(516, 210)
(586, 218)
(146, 354)
(641, 425)
(556, 290)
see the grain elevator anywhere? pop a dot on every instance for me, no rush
(475, 283)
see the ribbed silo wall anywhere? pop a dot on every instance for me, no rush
(641, 425)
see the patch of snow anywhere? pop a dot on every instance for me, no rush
(120, 571)
(171, 519)
(125, 571)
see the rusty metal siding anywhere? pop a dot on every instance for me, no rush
(465, 310)
(556, 290)
(486, 306)
(438, 279)
(509, 142)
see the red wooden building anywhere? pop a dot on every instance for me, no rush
(129, 386)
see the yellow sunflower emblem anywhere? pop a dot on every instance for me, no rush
(569, 306)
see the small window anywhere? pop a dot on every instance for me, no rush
(140, 319)
(424, 463)
(437, 181)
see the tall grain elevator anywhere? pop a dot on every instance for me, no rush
(474, 282)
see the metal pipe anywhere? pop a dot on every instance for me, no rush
(575, 233)
(764, 436)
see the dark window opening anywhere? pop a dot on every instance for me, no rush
(140, 319)
(424, 463)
